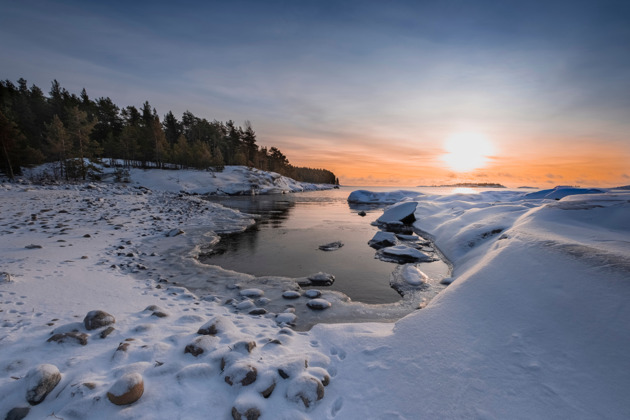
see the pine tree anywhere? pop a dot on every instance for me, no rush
(79, 129)
(10, 138)
(58, 145)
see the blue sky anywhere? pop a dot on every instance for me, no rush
(368, 89)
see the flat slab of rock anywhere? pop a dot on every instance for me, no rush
(401, 212)
(332, 246)
(382, 240)
(321, 279)
(70, 337)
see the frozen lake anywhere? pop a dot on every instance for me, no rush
(285, 242)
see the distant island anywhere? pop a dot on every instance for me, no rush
(468, 185)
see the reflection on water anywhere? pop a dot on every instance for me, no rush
(285, 242)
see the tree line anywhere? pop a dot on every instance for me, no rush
(70, 131)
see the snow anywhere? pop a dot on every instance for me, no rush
(534, 324)
(401, 212)
(405, 252)
(387, 197)
(233, 180)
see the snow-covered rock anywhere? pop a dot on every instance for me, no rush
(40, 381)
(404, 253)
(401, 212)
(97, 319)
(319, 304)
(382, 239)
(126, 390)
(407, 277)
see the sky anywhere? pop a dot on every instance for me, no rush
(539, 91)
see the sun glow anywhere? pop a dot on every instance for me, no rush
(466, 151)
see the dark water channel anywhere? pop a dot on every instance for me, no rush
(286, 238)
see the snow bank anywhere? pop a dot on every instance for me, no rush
(534, 325)
(233, 180)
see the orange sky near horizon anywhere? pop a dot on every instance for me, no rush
(540, 163)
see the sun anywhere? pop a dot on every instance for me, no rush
(466, 151)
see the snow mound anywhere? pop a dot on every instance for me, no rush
(560, 192)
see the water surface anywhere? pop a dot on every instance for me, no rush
(285, 242)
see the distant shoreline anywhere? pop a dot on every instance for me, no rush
(466, 185)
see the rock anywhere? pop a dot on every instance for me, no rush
(159, 314)
(321, 279)
(107, 331)
(306, 389)
(69, 337)
(127, 390)
(17, 413)
(200, 345)
(258, 311)
(318, 304)
(408, 277)
(245, 346)
(33, 246)
(252, 293)
(252, 413)
(97, 319)
(286, 318)
(312, 293)
(266, 393)
(321, 374)
(332, 246)
(362, 213)
(212, 327)
(291, 294)
(246, 304)
(382, 240)
(241, 372)
(40, 381)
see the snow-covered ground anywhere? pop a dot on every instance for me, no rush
(534, 324)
